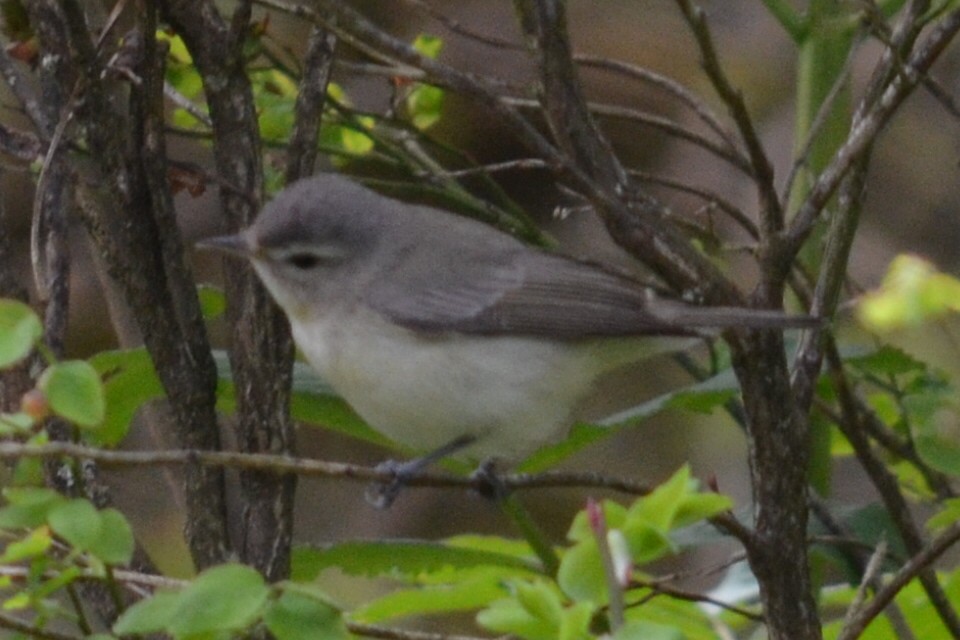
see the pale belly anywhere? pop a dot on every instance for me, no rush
(512, 394)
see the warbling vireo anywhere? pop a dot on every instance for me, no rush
(437, 328)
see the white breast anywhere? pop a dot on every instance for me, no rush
(513, 394)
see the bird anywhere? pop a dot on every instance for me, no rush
(446, 334)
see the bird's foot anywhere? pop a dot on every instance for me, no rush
(488, 483)
(383, 493)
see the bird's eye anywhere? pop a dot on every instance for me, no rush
(303, 261)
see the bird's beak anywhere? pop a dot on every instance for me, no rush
(236, 245)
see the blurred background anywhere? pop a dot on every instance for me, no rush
(911, 206)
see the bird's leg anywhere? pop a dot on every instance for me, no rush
(382, 494)
(487, 481)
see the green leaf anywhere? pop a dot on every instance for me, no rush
(723, 381)
(614, 515)
(130, 380)
(641, 630)
(948, 514)
(76, 521)
(226, 598)
(912, 292)
(582, 435)
(425, 102)
(700, 506)
(27, 506)
(297, 615)
(115, 543)
(34, 545)
(150, 615)
(535, 612)
(375, 558)
(575, 622)
(703, 402)
(887, 360)
(213, 302)
(428, 45)
(659, 508)
(581, 575)
(468, 595)
(74, 392)
(20, 328)
(425, 105)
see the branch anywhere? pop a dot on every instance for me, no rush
(865, 132)
(771, 210)
(318, 63)
(261, 352)
(886, 485)
(666, 125)
(920, 563)
(669, 85)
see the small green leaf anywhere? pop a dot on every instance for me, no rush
(115, 543)
(912, 292)
(468, 595)
(27, 506)
(614, 515)
(20, 328)
(397, 556)
(150, 615)
(74, 392)
(130, 380)
(948, 514)
(213, 302)
(540, 600)
(581, 574)
(887, 360)
(300, 616)
(76, 521)
(425, 105)
(704, 402)
(226, 598)
(34, 545)
(641, 630)
(507, 616)
(575, 622)
(428, 45)
(700, 506)
(659, 508)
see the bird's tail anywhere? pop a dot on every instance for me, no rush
(733, 317)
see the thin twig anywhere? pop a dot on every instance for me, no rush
(456, 27)
(658, 588)
(735, 213)
(657, 122)
(919, 563)
(669, 85)
(186, 104)
(771, 210)
(31, 631)
(864, 133)
(841, 82)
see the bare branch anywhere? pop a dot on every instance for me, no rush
(863, 134)
(771, 210)
(669, 85)
(657, 122)
(921, 562)
(318, 63)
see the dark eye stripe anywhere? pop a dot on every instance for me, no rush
(303, 260)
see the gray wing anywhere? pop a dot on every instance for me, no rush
(517, 291)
